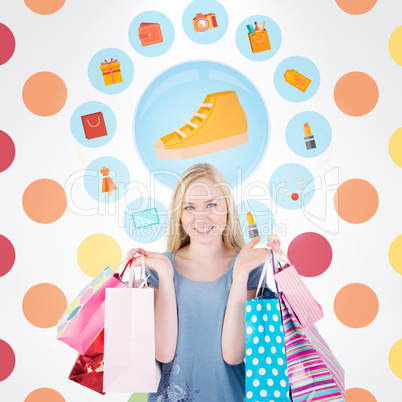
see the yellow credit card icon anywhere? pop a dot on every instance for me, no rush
(297, 79)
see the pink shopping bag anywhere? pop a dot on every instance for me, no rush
(129, 357)
(304, 306)
(84, 318)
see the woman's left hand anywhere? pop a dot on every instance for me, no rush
(249, 257)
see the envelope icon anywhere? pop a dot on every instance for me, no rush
(145, 218)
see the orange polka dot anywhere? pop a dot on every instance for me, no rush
(359, 395)
(44, 7)
(356, 94)
(43, 304)
(44, 201)
(356, 201)
(44, 93)
(356, 7)
(44, 395)
(356, 305)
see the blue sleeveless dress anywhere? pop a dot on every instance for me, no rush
(198, 371)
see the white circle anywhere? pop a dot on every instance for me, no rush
(281, 328)
(283, 383)
(267, 339)
(274, 371)
(283, 351)
(262, 371)
(273, 350)
(270, 382)
(249, 351)
(249, 330)
(277, 394)
(261, 349)
(277, 307)
(249, 373)
(258, 307)
(268, 360)
(265, 317)
(269, 307)
(263, 393)
(286, 372)
(261, 328)
(280, 361)
(275, 317)
(256, 383)
(256, 340)
(271, 328)
(255, 361)
(249, 394)
(279, 339)
(287, 394)
(254, 318)
(248, 308)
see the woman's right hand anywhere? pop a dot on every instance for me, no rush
(158, 262)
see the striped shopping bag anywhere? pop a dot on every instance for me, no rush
(314, 373)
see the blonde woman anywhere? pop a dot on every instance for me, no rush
(201, 284)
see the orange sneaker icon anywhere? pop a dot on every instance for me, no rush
(219, 124)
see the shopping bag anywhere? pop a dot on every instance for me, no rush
(150, 33)
(259, 41)
(130, 337)
(88, 368)
(304, 306)
(314, 373)
(266, 367)
(84, 318)
(94, 125)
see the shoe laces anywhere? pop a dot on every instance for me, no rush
(196, 114)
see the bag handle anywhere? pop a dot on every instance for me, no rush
(263, 37)
(96, 125)
(132, 281)
(273, 259)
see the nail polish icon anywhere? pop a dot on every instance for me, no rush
(308, 137)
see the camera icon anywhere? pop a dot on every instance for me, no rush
(203, 22)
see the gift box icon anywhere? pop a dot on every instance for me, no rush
(111, 72)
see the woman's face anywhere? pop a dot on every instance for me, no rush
(204, 211)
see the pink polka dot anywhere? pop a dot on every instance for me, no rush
(7, 361)
(7, 44)
(86, 296)
(7, 151)
(7, 253)
(310, 253)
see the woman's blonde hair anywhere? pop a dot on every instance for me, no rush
(177, 237)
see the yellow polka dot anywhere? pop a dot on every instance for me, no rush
(395, 146)
(395, 254)
(395, 358)
(96, 252)
(395, 45)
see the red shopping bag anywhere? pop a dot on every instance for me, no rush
(94, 125)
(88, 368)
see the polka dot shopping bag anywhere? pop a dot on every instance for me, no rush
(266, 367)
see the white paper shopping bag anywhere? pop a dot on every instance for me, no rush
(129, 357)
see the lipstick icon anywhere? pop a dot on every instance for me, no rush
(308, 137)
(251, 226)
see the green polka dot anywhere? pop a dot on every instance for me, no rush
(138, 398)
